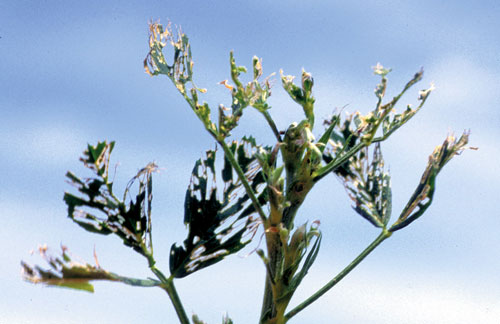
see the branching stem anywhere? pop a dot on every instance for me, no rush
(167, 284)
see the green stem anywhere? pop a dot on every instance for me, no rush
(338, 162)
(167, 284)
(271, 123)
(176, 301)
(137, 282)
(275, 257)
(384, 235)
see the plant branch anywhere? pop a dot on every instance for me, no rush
(176, 301)
(271, 123)
(384, 235)
(338, 162)
(167, 284)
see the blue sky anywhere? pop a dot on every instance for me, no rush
(72, 74)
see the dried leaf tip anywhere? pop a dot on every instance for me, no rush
(423, 94)
(380, 70)
(227, 85)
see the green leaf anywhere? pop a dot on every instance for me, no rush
(301, 95)
(216, 225)
(311, 257)
(227, 320)
(323, 141)
(423, 195)
(295, 252)
(343, 137)
(369, 186)
(131, 220)
(66, 273)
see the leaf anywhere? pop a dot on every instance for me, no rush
(422, 197)
(301, 95)
(343, 138)
(196, 320)
(179, 69)
(295, 251)
(311, 257)
(130, 221)
(227, 320)
(254, 93)
(368, 185)
(216, 227)
(384, 114)
(64, 272)
(323, 140)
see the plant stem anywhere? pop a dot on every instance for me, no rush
(168, 286)
(176, 301)
(271, 123)
(274, 255)
(384, 235)
(338, 162)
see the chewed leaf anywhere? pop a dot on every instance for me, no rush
(344, 136)
(217, 225)
(368, 185)
(97, 209)
(422, 197)
(254, 93)
(66, 273)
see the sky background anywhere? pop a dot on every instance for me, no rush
(71, 74)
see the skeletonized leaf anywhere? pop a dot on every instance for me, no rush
(97, 209)
(64, 272)
(217, 224)
(343, 137)
(367, 182)
(422, 197)
(369, 187)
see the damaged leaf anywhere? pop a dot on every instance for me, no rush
(422, 197)
(97, 209)
(366, 181)
(64, 272)
(369, 186)
(217, 224)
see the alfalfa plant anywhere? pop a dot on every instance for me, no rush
(260, 186)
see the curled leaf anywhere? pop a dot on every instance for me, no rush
(422, 197)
